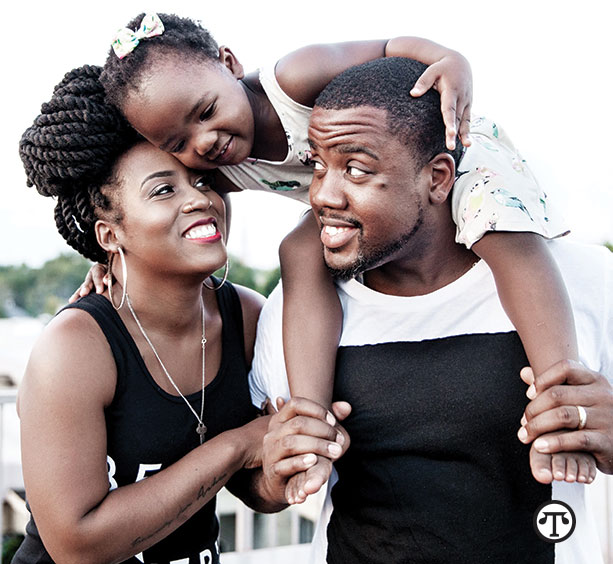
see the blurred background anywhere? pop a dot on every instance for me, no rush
(541, 69)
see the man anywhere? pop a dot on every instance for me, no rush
(428, 360)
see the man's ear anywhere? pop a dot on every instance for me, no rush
(229, 60)
(106, 235)
(442, 168)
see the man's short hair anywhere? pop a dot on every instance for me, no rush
(385, 84)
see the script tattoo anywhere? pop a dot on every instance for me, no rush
(201, 494)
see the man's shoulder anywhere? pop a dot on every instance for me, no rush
(580, 261)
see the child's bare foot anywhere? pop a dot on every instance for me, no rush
(564, 466)
(308, 482)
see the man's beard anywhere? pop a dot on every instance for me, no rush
(368, 259)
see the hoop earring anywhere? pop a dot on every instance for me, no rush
(124, 273)
(223, 280)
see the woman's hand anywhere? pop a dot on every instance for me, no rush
(96, 278)
(298, 434)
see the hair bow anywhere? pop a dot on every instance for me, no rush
(126, 40)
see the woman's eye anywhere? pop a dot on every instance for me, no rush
(203, 182)
(162, 190)
(207, 113)
(356, 172)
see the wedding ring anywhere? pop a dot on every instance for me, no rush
(582, 417)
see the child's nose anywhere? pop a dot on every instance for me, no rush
(204, 142)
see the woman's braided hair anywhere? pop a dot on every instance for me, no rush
(182, 37)
(70, 151)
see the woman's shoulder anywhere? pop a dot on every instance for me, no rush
(251, 305)
(72, 354)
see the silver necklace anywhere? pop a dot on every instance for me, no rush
(201, 427)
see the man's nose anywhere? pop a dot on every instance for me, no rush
(327, 191)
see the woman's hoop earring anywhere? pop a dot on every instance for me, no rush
(223, 280)
(124, 274)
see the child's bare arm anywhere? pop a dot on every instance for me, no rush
(533, 295)
(304, 73)
(312, 315)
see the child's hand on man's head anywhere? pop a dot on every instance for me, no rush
(452, 78)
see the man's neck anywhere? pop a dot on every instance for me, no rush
(420, 275)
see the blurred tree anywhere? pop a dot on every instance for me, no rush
(46, 289)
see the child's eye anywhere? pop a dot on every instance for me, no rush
(356, 172)
(178, 147)
(207, 113)
(162, 190)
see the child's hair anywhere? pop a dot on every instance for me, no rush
(385, 84)
(69, 153)
(182, 37)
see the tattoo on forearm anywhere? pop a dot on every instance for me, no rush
(201, 494)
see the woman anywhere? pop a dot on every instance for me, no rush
(148, 380)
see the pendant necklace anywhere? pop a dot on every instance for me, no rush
(200, 427)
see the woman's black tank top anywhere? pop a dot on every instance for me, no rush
(149, 429)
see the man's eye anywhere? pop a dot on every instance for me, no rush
(356, 172)
(317, 165)
(208, 112)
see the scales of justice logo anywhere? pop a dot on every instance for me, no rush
(554, 521)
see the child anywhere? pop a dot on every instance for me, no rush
(191, 98)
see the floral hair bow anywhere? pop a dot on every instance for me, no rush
(126, 40)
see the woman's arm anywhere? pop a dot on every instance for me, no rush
(69, 381)
(304, 73)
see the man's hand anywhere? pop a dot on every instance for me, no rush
(299, 435)
(560, 390)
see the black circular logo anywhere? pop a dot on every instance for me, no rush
(554, 521)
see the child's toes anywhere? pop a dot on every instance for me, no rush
(586, 471)
(540, 465)
(559, 467)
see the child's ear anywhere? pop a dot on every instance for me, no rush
(229, 60)
(442, 168)
(106, 236)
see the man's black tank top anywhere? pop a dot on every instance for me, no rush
(149, 429)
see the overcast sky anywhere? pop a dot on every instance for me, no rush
(542, 69)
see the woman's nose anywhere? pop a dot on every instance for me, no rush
(201, 202)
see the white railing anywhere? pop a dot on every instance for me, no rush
(8, 399)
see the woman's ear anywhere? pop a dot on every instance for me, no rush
(106, 236)
(443, 177)
(229, 60)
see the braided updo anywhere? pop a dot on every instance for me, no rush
(182, 37)
(70, 151)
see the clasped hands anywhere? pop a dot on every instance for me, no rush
(302, 442)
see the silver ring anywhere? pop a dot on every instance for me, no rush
(582, 417)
